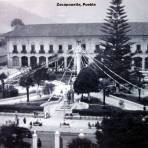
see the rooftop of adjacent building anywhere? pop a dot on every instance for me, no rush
(72, 29)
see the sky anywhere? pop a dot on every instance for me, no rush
(136, 9)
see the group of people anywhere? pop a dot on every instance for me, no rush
(17, 121)
(96, 125)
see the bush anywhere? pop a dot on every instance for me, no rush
(12, 136)
(91, 101)
(11, 92)
(99, 111)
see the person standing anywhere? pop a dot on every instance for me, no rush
(24, 120)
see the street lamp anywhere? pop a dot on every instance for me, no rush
(104, 83)
(140, 81)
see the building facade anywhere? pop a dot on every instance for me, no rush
(37, 44)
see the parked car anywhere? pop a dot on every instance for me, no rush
(37, 123)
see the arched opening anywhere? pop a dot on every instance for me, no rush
(42, 60)
(33, 61)
(15, 61)
(61, 62)
(146, 63)
(84, 61)
(138, 62)
(51, 63)
(70, 62)
(24, 60)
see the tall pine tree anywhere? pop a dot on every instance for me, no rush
(116, 53)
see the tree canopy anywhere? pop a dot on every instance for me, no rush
(26, 81)
(2, 77)
(86, 81)
(17, 21)
(42, 74)
(123, 131)
(12, 136)
(115, 52)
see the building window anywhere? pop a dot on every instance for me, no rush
(83, 46)
(97, 48)
(32, 49)
(50, 49)
(146, 63)
(60, 49)
(24, 49)
(15, 61)
(15, 49)
(70, 49)
(147, 49)
(138, 48)
(41, 49)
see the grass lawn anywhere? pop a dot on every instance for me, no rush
(143, 101)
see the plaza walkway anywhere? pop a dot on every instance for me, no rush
(114, 101)
(52, 124)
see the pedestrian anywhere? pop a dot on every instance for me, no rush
(16, 117)
(30, 124)
(24, 120)
(89, 125)
(17, 121)
(39, 142)
(144, 108)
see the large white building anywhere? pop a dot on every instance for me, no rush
(31, 44)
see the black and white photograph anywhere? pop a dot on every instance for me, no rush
(73, 74)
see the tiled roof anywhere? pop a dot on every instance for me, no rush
(76, 29)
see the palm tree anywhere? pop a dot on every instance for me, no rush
(2, 77)
(42, 73)
(26, 81)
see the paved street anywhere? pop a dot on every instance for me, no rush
(52, 124)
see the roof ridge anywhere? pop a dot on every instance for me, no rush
(72, 23)
(63, 23)
(71, 29)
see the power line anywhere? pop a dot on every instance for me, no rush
(118, 75)
(115, 73)
(66, 69)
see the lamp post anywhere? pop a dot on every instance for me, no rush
(139, 94)
(104, 83)
(140, 81)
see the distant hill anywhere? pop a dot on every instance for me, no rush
(9, 12)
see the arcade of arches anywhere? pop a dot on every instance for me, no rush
(62, 62)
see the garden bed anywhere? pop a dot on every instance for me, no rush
(97, 110)
(21, 108)
(108, 111)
